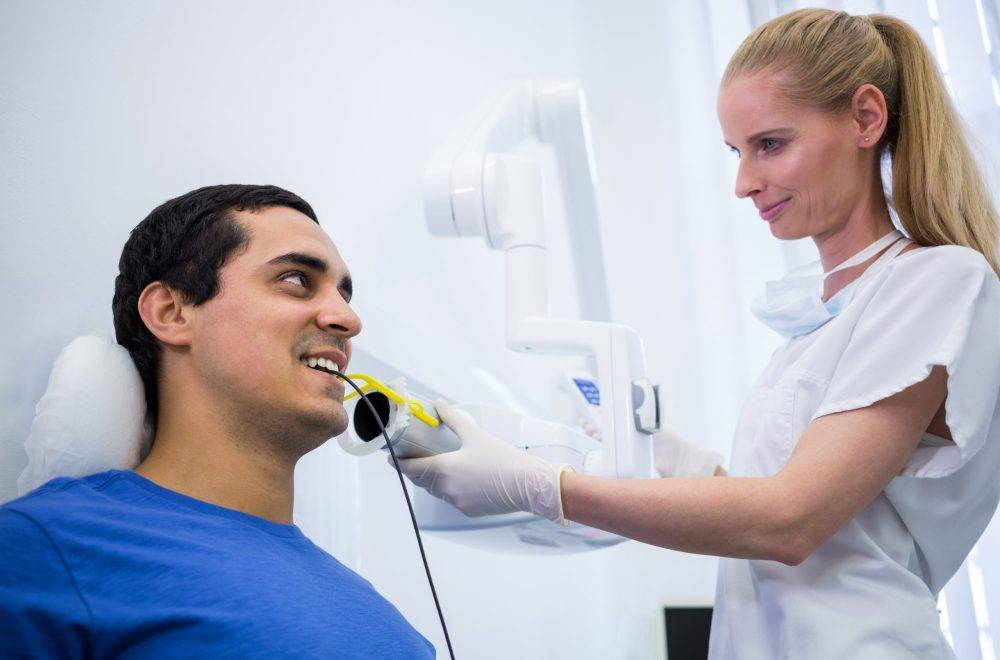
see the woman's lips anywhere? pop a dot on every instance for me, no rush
(771, 213)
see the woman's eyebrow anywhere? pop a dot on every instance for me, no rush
(756, 136)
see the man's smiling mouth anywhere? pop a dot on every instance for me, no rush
(322, 364)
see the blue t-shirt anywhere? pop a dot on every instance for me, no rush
(115, 565)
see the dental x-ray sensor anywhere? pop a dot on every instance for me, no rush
(409, 420)
(477, 186)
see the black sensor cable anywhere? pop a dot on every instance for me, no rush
(409, 505)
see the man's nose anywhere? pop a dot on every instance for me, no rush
(747, 179)
(336, 315)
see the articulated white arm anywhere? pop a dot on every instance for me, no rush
(476, 189)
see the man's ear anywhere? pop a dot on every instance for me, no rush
(163, 312)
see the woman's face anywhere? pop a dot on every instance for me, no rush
(799, 165)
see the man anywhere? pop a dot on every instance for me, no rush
(223, 296)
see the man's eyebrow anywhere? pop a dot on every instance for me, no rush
(315, 263)
(756, 136)
(300, 259)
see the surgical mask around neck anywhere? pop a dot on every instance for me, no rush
(794, 306)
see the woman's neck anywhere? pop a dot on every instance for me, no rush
(865, 225)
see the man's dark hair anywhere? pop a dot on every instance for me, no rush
(184, 243)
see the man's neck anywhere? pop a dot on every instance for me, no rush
(209, 465)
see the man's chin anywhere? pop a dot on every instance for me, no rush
(315, 432)
(327, 423)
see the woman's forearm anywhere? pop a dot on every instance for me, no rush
(728, 516)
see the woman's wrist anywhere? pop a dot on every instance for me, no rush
(566, 479)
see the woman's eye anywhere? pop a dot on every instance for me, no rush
(301, 276)
(770, 144)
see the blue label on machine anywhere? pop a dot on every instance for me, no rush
(589, 390)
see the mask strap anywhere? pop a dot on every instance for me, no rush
(867, 253)
(889, 255)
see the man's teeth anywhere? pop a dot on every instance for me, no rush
(322, 363)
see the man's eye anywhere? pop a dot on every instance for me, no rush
(302, 276)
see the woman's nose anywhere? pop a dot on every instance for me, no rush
(747, 179)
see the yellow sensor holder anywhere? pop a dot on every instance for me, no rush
(415, 407)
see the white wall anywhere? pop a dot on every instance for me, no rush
(109, 108)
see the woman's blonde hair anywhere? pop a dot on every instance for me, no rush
(937, 190)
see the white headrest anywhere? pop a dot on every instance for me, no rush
(92, 416)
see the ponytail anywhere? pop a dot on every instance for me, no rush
(937, 190)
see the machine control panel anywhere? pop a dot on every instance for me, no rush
(588, 389)
(586, 395)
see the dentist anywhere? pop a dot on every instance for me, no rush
(864, 465)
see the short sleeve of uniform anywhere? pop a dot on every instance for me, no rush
(41, 612)
(939, 306)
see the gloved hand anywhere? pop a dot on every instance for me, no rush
(487, 476)
(672, 455)
(675, 457)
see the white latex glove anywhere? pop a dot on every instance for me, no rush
(675, 457)
(672, 455)
(487, 476)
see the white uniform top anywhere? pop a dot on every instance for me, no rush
(870, 591)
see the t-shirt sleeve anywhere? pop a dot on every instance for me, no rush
(941, 309)
(41, 612)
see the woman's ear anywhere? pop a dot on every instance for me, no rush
(164, 313)
(869, 115)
